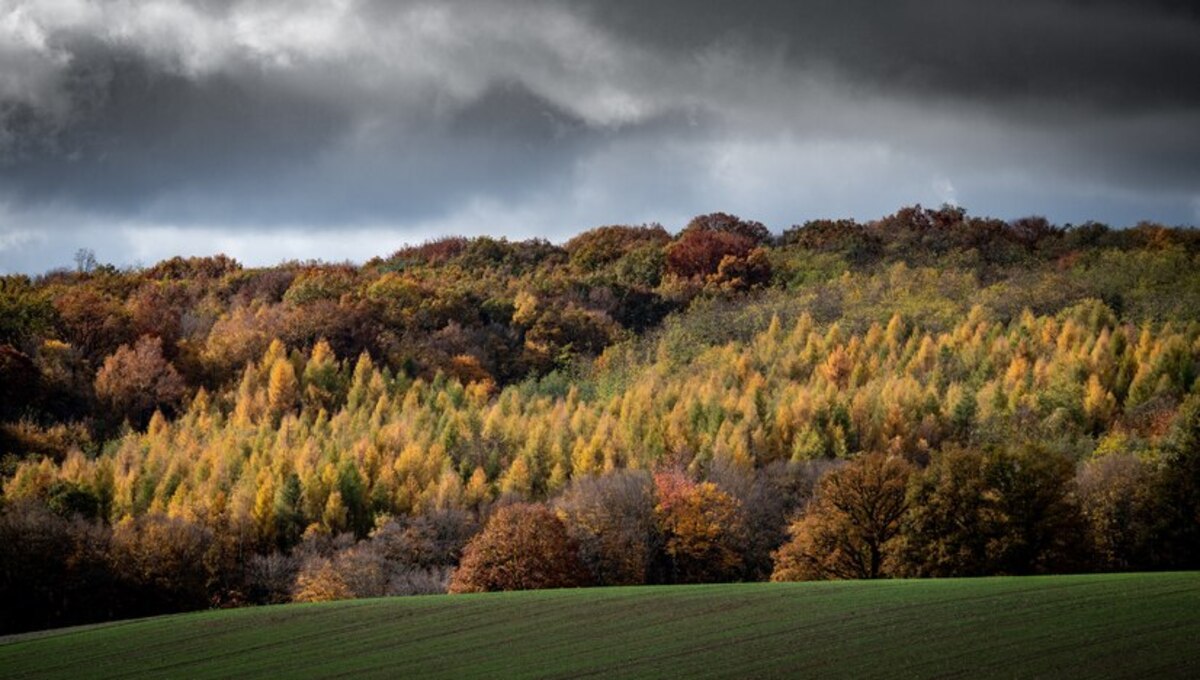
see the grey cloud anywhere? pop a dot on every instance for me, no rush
(1129, 54)
(146, 131)
(544, 117)
(252, 128)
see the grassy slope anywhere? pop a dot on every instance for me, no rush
(1145, 625)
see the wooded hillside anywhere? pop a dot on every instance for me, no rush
(721, 404)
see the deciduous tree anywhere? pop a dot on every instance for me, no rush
(612, 518)
(849, 531)
(137, 380)
(522, 547)
(703, 529)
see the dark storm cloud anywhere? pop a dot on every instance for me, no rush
(215, 122)
(1129, 54)
(136, 131)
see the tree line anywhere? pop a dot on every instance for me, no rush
(931, 394)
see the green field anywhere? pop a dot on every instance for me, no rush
(1130, 625)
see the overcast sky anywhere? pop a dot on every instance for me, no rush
(279, 129)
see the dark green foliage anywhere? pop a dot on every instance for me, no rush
(1178, 516)
(26, 312)
(946, 532)
(289, 516)
(1010, 512)
(67, 499)
(1038, 527)
(354, 497)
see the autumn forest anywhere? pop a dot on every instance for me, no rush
(929, 394)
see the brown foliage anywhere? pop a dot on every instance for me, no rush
(721, 222)
(239, 337)
(1030, 231)
(741, 273)
(612, 518)
(164, 561)
(850, 528)
(435, 251)
(826, 235)
(559, 334)
(605, 245)
(467, 369)
(92, 321)
(53, 571)
(523, 547)
(365, 569)
(433, 539)
(180, 268)
(135, 381)
(769, 496)
(1117, 502)
(270, 578)
(156, 309)
(699, 252)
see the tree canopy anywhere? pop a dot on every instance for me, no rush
(927, 394)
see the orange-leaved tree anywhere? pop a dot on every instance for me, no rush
(524, 546)
(704, 529)
(849, 530)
